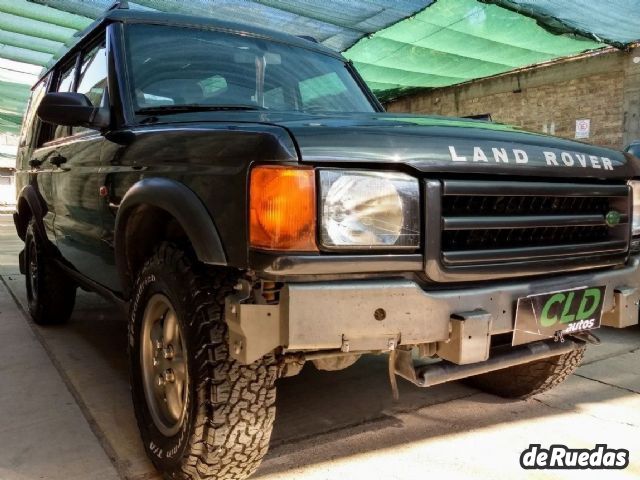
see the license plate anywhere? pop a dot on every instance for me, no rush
(567, 311)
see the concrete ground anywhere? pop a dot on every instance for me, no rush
(67, 412)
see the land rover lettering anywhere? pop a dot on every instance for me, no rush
(521, 157)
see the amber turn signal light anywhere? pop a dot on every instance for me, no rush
(282, 208)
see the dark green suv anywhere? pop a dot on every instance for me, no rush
(244, 197)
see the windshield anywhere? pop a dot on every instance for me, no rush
(173, 66)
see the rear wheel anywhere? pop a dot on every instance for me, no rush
(200, 413)
(529, 379)
(51, 295)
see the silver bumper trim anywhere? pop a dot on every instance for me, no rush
(379, 315)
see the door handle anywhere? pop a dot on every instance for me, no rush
(58, 160)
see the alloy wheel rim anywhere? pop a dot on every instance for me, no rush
(164, 365)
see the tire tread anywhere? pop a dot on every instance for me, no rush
(530, 379)
(56, 292)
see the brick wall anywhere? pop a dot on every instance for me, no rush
(546, 99)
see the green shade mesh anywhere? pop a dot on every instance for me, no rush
(612, 21)
(454, 41)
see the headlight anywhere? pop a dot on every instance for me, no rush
(635, 193)
(369, 210)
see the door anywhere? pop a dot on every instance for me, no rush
(30, 168)
(34, 154)
(76, 174)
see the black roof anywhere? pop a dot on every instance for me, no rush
(125, 15)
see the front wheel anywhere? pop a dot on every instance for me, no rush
(200, 413)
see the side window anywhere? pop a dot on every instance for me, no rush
(274, 99)
(64, 83)
(93, 74)
(325, 92)
(93, 77)
(212, 85)
(31, 123)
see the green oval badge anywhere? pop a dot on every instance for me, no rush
(612, 218)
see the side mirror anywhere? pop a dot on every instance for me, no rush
(73, 110)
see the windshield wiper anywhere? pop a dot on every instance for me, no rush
(160, 109)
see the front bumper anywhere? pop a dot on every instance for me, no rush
(379, 315)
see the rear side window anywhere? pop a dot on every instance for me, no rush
(212, 85)
(324, 92)
(31, 124)
(275, 99)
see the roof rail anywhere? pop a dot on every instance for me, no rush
(118, 5)
(308, 37)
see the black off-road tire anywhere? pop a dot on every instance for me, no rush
(51, 295)
(230, 408)
(529, 379)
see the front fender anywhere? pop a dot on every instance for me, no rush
(183, 205)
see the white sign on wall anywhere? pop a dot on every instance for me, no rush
(583, 127)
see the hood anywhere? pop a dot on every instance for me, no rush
(431, 144)
(440, 144)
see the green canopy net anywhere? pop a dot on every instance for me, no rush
(454, 41)
(397, 45)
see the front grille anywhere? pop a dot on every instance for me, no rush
(528, 227)
(526, 218)
(521, 237)
(461, 205)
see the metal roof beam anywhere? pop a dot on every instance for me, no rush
(16, 76)
(24, 55)
(34, 28)
(10, 123)
(17, 118)
(23, 8)
(14, 91)
(12, 106)
(87, 8)
(30, 43)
